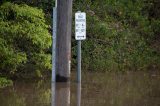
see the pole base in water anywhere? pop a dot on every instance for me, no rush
(62, 79)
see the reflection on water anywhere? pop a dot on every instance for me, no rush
(30, 93)
(79, 94)
(53, 94)
(97, 89)
(61, 94)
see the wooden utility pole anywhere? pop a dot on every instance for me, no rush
(64, 23)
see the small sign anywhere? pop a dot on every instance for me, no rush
(80, 26)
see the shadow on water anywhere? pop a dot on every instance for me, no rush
(97, 89)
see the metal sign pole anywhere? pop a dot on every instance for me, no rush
(56, 3)
(54, 37)
(79, 61)
(80, 34)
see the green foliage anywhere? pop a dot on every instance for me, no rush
(5, 82)
(24, 40)
(120, 35)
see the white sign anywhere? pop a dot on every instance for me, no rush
(80, 26)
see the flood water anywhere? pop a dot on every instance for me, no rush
(97, 89)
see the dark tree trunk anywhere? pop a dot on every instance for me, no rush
(64, 22)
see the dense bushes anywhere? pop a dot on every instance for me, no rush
(24, 41)
(120, 35)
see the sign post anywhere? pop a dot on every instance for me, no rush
(54, 37)
(80, 34)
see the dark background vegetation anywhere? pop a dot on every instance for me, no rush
(122, 35)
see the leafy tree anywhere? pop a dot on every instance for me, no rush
(24, 41)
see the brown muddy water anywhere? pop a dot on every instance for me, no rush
(97, 89)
